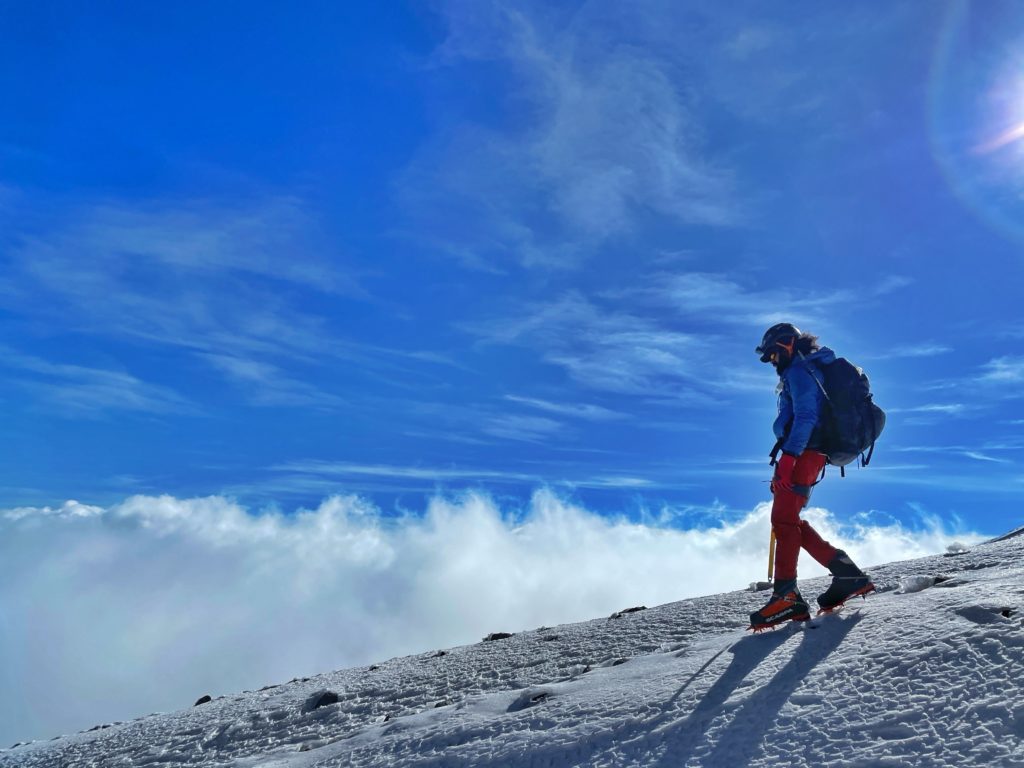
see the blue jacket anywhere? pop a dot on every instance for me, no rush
(801, 401)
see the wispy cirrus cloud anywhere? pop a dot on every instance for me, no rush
(631, 340)
(726, 300)
(926, 349)
(326, 476)
(80, 390)
(606, 349)
(614, 122)
(1003, 370)
(989, 384)
(584, 411)
(527, 428)
(978, 456)
(434, 474)
(947, 409)
(267, 384)
(230, 284)
(607, 135)
(190, 274)
(976, 453)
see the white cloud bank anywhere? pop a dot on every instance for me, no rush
(113, 613)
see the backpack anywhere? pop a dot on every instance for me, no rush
(851, 422)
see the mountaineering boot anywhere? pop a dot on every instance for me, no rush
(847, 581)
(785, 605)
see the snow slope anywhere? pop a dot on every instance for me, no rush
(928, 672)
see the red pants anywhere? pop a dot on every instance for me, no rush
(791, 532)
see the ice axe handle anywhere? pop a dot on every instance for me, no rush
(771, 554)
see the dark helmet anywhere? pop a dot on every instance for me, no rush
(775, 334)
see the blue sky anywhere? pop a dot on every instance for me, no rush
(286, 253)
(278, 254)
(403, 319)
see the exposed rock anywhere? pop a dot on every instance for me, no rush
(498, 636)
(529, 698)
(203, 700)
(320, 699)
(620, 614)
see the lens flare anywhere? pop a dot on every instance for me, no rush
(1015, 133)
(976, 114)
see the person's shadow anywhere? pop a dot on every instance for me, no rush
(739, 741)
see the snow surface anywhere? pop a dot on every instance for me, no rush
(928, 672)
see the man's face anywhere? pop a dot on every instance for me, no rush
(779, 360)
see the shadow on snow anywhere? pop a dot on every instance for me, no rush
(740, 740)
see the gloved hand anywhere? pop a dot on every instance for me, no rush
(783, 479)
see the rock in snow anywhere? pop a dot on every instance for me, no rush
(320, 699)
(929, 671)
(627, 611)
(498, 636)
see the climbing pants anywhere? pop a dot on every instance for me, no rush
(792, 533)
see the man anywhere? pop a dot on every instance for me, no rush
(796, 357)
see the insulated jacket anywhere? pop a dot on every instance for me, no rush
(801, 401)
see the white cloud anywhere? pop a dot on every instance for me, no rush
(273, 237)
(68, 509)
(604, 136)
(84, 391)
(949, 409)
(1004, 370)
(607, 349)
(621, 340)
(267, 384)
(914, 350)
(584, 411)
(978, 456)
(110, 614)
(347, 469)
(526, 428)
(721, 297)
(224, 281)
(180, 274)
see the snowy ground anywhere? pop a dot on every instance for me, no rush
(928, 672)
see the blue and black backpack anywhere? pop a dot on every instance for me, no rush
(851, 422)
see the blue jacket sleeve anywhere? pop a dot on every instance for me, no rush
(805, 402)
(785, 416)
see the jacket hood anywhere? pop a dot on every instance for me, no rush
(823, 355)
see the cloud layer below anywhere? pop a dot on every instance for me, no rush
(113, 613)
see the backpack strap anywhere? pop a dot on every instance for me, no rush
(817, 380)
(865, 460)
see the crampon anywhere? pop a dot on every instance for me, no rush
(862, 593)
(781, 608)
